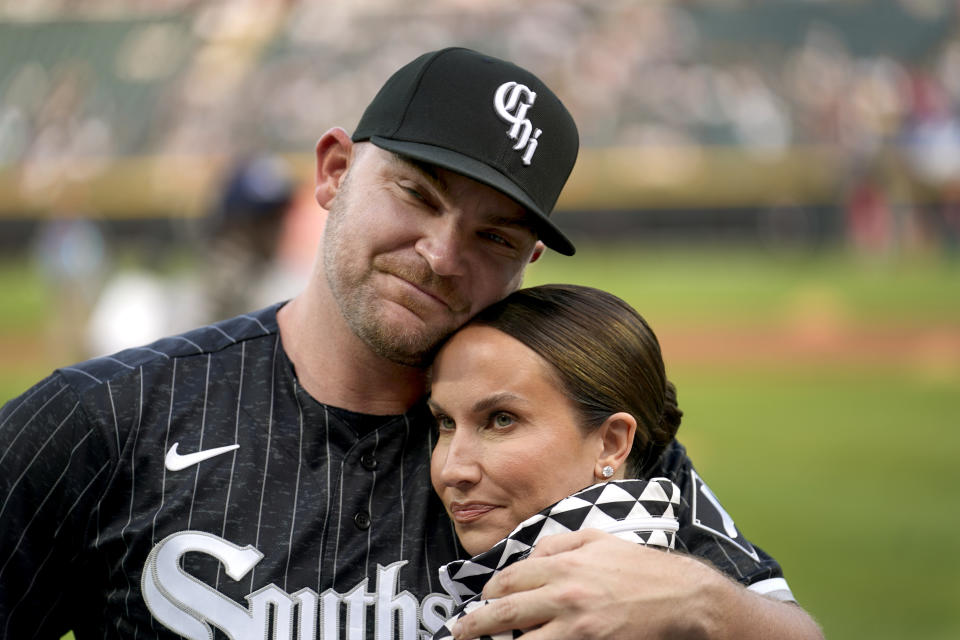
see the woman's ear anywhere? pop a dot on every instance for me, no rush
(616, 435)
(334, 153)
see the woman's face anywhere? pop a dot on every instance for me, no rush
(509, 441)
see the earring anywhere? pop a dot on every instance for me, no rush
(607, 471)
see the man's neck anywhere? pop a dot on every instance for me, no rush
(336, 368)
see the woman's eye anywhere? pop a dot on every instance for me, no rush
(503, 420)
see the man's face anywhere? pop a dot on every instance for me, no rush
(411, 252)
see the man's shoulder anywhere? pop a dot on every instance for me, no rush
(210, 340)
(708, 531)
(674, 462)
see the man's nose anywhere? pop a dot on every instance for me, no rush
(443, 245)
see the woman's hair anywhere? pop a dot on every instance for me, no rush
(606, 358)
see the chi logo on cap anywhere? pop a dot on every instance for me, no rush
(512, 101)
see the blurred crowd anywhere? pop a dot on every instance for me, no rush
(187, 77)
(877, 83)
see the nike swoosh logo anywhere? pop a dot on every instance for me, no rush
(177, 462)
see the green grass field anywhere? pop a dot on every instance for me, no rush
(838, 457)
(842, 466)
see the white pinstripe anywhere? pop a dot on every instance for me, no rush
(82, 493)
(266, 457)
(43, 502)
(166, 444)
(91, 376)
(373, 484)
(34, 458)
(426, 546)
(233, 461)
(118, 361)
(203, 425)
(113, 410)
(296, 492)
(260, 324)
(26, 398)
(96, 510)
(225, 334)
(190, 342)
(50, 610)
(336, 547)
(133, 487)
(43, 563)
(403, 451)
(733, 563)
(163, 471)
(326, 516)
(27, 423)
(159, 353)
(26, 591)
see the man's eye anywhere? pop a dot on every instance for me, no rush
(503, 420)
(497, 238)
(446, 423)
(413, 193)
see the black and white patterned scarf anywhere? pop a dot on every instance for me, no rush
(641, 511)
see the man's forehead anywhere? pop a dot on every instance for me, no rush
(430, 170)
(443, 179)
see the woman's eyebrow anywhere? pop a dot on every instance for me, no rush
(483, 404)
(495, 400)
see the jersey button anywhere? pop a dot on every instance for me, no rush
(362, 520)
(368, 462)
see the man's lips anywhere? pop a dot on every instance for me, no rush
(470, 511)
(423, 283)
(435, 297)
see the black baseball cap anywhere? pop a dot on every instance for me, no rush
(484, 118)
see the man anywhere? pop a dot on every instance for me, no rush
(268, 476)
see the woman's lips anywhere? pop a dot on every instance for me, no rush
(470, 511)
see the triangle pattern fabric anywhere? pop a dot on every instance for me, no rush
(603, 506)
(572, 519)
(614, 510)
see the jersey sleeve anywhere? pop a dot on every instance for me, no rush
(54, 465)
(709, 532)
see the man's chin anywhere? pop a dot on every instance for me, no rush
(409, 348)
(415, 358)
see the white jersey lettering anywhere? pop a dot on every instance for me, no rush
(193, 609)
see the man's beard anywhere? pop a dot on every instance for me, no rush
(361, 305)
(402, 346)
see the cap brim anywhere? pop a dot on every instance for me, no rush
(467, 166)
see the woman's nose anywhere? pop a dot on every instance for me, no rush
(460, 467)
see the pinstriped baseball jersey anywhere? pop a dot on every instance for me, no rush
(191, 488)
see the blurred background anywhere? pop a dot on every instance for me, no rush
(774, 185)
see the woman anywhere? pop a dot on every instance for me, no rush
(552, 390)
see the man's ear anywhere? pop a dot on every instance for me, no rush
(538, 250)
(334, 153)
(616, 436)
